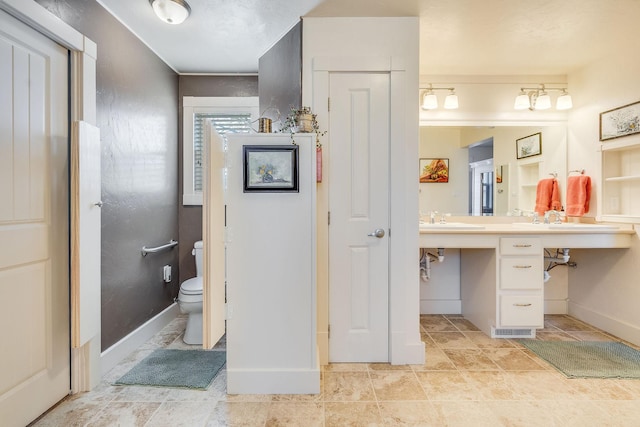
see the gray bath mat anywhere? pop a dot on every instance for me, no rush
(176, 368)
(588, 359)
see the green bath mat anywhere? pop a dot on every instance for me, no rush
(176, 368)
(588, 359)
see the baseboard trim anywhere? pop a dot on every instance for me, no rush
(619, 328)
(127, 345)
(273, 381)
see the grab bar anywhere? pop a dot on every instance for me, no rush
(172, 243)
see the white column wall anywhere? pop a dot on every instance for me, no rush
(361, 42)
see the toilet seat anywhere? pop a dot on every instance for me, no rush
(191, 290)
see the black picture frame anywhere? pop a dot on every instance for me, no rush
(621, 121)
(529, 146)
(270, 168)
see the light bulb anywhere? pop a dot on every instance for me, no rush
(451, 101)
(564, 101)
(543, 101)
(429, 101)
(522, 101)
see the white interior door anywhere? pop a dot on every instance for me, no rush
(34, 223)
(213, 220)
(359, 212)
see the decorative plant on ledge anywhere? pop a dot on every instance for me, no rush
(302, 120)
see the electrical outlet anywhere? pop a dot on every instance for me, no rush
(166, 273)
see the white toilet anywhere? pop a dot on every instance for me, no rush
(190, 300)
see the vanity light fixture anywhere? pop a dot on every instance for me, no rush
(539, 99)
(430, 100)
(171, 11)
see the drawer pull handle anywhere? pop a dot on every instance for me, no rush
(522, 246)
(522, 266)
(522, 305)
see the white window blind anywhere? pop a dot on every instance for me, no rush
(223, 123)
(228, 115)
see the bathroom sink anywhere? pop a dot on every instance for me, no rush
(450, 226)
(564, 226)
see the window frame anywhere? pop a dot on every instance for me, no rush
(196, 104)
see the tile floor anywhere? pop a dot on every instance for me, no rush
(468, 380)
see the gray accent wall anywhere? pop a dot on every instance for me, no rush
(137, 113)
(280, 71)
(190, 217)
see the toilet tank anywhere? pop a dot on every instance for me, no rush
(197, 252)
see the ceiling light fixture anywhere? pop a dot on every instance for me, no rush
(537, 98)
(171, 11)
(430, 100)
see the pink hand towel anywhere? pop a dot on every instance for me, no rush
(556, 204)
(544, 193)
(578, 195)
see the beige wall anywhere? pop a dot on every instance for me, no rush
(603, 289)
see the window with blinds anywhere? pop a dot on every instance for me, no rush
(223, 123)
(228, 115)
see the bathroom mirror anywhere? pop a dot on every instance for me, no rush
(478, 154)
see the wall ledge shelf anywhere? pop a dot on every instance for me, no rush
(622, 178)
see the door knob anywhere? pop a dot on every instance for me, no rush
(98, 204)
(378, 232)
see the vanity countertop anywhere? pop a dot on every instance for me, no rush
(487, 235)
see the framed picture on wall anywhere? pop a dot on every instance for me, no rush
(270, 168)
(621, 121)
(434, 170)
(529, 146)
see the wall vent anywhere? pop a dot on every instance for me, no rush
(512, 333)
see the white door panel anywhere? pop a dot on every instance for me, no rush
(34, 223)
(359, 205)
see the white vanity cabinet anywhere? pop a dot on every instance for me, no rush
(520, 284)
(502, 287)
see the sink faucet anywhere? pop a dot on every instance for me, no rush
(547, 214)
(432, 217)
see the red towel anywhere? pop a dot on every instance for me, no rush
(578, 195)
(547, 196)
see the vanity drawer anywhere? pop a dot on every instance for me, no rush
(520, 246)
(521, 272)
(525, 310)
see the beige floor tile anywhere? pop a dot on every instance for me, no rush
(348, 386)
(567, 323)
(582, 413)
(410, 414)
(239, 414)
(426, 339)
(450, 385)
(471, 360)
(554, 336)
(524, 414)
(543, 385)
(171, 414)
(352, 414)
(601, 389)
(436, 323)
(388, 367)
(619, 413)
(513, 359)
(124, 414)
(73, 411)
(397, 385)
(295, 414)
(346, 367)
(590, 336)
(463, 324)
(451, 340)
(481, 340)
(435, 360)
(467, 414)
(133, 393)
(493, 385)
